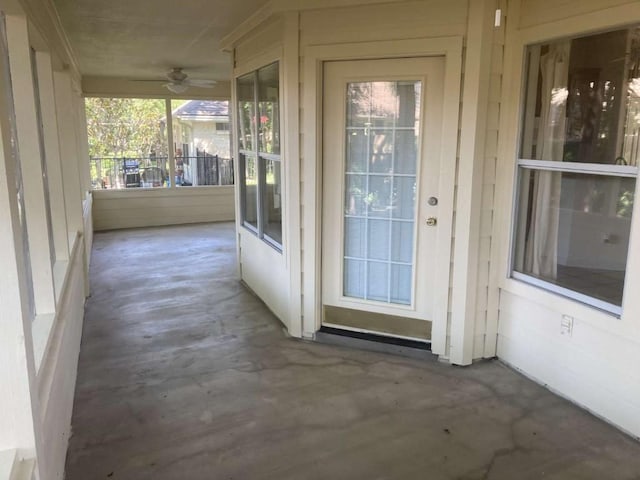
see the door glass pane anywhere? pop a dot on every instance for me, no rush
(381, 157)
(401, 283)
(354, 278)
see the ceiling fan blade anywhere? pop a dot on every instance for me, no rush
(201, 83)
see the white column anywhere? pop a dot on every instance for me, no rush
(52, 149)
(292, 204)
(470, 170)
(37, 210)
(170, 140)
(82, 156)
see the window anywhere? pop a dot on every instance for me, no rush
(128, 143)
(222, 127)
(577, 166)
(259, 149)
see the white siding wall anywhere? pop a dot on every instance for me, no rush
(153, 207)
(595, 366)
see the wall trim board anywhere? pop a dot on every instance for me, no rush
(475, 104)
(204, 191)
(314, 56)
(292, 204)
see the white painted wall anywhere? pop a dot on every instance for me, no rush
(132, 208)
(596, 364)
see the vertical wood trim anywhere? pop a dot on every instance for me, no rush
(233, 102)
(68, 152)
(84, 169)
(292, 204)
(446, 188)
(31, 157)
(17, 369)
(503, 197)
(52, 149)
(472, 141)
(170, 151)
(312, 111)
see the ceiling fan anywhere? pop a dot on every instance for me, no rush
(179, 82)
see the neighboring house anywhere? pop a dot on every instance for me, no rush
(200, 128)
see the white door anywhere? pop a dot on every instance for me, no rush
(381, 151)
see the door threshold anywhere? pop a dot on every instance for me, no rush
(375, 342)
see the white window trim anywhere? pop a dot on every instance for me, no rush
(260, 186)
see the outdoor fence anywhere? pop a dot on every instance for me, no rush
(144, 172)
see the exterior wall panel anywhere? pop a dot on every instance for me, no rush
(114, 210)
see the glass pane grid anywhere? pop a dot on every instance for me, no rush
(380, 193)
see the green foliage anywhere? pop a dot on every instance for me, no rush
(124, 127)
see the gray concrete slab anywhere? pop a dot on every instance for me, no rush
(184, 374)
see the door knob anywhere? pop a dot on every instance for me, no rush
(432, 221)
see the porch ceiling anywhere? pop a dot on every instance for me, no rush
(144, 38)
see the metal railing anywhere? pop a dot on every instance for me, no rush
(110, 173)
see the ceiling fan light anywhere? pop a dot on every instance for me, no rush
(177, 87)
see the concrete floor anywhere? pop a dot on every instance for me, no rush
(185, 375)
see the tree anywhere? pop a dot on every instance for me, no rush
(124, 127)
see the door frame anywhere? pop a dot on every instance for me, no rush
(314, 57)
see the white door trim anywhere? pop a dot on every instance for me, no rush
(314, 56)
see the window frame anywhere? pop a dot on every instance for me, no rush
(523, 163)
(261, 158)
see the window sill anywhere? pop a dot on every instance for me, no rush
(266, 239)
(563, 305)
(163, 191)
(571, 295)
